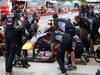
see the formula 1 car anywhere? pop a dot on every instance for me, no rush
(41, 48)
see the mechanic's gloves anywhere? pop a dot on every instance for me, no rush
(55, 52)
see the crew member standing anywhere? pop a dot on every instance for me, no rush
(10, 40)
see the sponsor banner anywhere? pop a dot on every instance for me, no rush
(10, 0)
(24, 0)
(4, 9)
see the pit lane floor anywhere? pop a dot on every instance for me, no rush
(51, 68)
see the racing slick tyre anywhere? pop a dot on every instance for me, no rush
(97, 55)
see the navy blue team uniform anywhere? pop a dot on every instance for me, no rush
(64, 32)
(10, 40)
(65, 25)
(65, 41)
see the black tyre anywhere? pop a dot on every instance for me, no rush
(97, 55)
(86, 58)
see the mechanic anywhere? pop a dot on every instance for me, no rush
(21, 39)
(31, 25)
(85, 32)
(62, 42)
(10, 40)
(65, 25)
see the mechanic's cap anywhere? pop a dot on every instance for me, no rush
(55, 16)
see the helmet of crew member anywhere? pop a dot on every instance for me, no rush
(22, 17)
(50, 26)
(51, 23)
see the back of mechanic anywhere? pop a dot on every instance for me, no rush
(62, 42)
(10, 41)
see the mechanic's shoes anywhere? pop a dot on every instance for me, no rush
(64, 73)
(26, 65)
(9, 73)
(98, 72)
(83, 61)
(71, 68)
